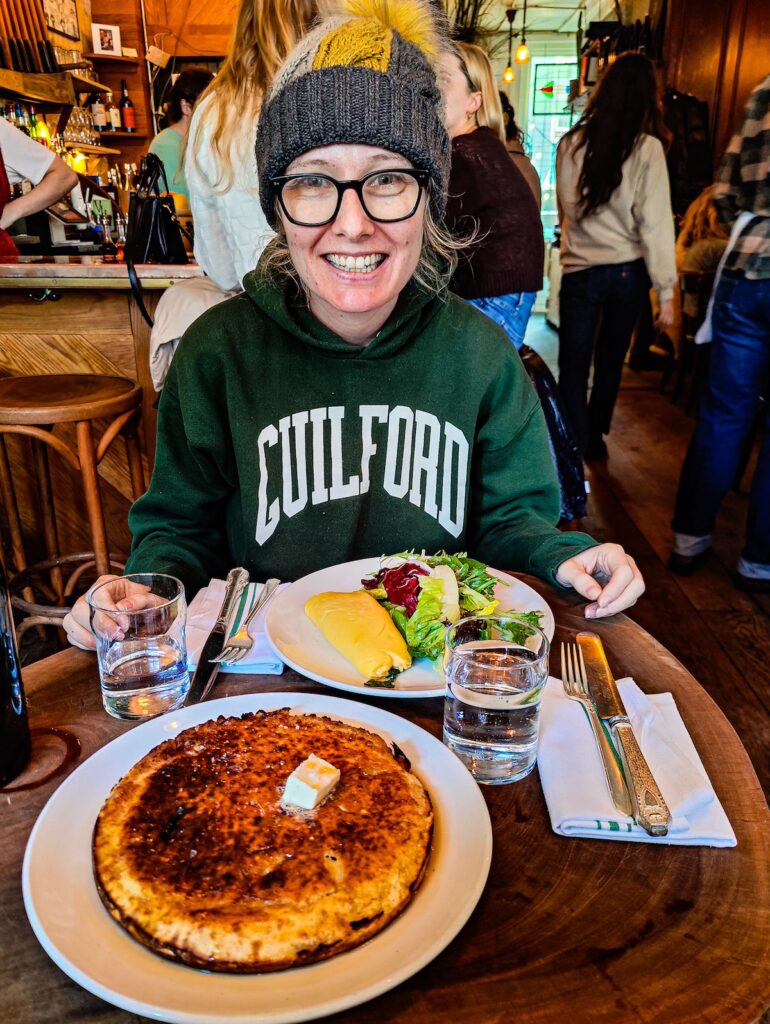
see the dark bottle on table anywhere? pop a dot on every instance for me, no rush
(14, 728)
(127, 111)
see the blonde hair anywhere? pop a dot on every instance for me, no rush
(490, 113)
(265, 32)
(701, 221)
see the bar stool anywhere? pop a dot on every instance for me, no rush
(32, 406)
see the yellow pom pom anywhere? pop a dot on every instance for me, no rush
(412, 19)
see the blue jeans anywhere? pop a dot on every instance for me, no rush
(598, 309)
(511, 312)
(739, 375)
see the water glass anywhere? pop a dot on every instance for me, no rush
(495, 668)
(141, 650)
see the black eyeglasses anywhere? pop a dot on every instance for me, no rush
(312, 200)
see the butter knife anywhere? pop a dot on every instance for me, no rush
(207, 669)
(650, 809)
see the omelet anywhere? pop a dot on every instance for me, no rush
(196, 857)
(362, 631)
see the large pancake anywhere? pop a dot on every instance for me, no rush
(195, 857)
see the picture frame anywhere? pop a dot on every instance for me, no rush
(106, 39)
(62, 17)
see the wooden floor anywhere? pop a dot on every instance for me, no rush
(720, 634)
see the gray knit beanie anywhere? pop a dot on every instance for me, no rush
(365, 76)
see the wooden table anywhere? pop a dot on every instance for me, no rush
(567, 929)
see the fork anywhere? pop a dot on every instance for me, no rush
(240, 643)
(573, 674)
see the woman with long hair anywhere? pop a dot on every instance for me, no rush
(168, 145)
(410, 422)
(489, 198)
(230, 228)
(617, 234)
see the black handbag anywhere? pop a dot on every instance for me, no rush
(154, 233)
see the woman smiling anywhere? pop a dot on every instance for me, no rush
(346, 405)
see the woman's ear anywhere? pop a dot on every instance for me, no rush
(186, 107)
(474, 102)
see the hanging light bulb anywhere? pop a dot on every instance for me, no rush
(522, 50)
(508, 76)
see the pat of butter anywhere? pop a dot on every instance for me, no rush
(310, 783)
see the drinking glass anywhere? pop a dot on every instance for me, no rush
(141, 650)
(495, 668)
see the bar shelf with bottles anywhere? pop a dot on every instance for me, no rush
(604, 41)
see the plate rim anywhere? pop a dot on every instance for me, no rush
(383, 981)
(374, 691)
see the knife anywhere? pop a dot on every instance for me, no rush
(650, 809)
(206, 671)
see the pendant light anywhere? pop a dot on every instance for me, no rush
(522, 50)
(508, 76)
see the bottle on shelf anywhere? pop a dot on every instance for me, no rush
(120, 244)
(108, 247)
(127, 110)
(113, 115)
(98, 112)
(14, 727)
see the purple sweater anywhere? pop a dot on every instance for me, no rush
(488, 192)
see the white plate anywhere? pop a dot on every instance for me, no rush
(78, 934)
(298, 642)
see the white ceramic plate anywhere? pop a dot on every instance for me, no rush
(78, 934)
(298, 642)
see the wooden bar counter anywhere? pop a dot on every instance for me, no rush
(76, 314)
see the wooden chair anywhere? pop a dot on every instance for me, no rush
(32, 406)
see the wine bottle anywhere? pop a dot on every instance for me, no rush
(14, 728)
(98, 113)
(127, 111)
(114, 116)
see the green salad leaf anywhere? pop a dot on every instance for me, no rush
(425, 629)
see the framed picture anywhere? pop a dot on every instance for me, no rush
(106, 39)
(62, 16)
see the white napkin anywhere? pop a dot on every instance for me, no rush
(575, 787)
(202, 614)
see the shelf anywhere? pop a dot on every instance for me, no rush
(110, 58)
(87, 147)
(54, 88)
(124, 135)
(83, 84)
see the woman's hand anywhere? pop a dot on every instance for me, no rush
(624, 583)
(665, 317)
(121, 595)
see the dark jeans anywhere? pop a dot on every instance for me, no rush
(739, 374)
(598, 309)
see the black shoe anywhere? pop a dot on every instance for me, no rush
(751, 584)
(596, 450)
(685, 565)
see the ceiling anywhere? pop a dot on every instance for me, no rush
(557, 15)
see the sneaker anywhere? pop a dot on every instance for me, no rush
(685, 565)
(751, 584)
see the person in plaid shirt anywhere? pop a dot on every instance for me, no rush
(739, 372)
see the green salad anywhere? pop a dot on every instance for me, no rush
(426, 593)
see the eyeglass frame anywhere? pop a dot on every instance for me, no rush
(421, 176)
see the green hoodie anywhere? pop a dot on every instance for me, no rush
(283, 449)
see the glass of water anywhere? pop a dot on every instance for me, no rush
(139, 624)
(495, 668)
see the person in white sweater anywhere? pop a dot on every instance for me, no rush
(617, 235)
(220, 162)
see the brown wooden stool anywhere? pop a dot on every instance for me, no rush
(31, 406)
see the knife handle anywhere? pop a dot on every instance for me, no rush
(236, 581)
(650, 809)
(613, 774)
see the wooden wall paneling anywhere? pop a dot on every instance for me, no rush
(191, 28)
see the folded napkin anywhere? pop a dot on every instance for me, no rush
(575, 787)
(202, 614)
